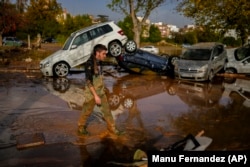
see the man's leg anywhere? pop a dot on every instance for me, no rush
(86, 112)
(108, 116)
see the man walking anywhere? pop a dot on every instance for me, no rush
(94, 92)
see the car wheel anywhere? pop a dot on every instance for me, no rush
(115, 49)
(130, 46)
(211, 76)
(61, 84)
(230, 71)
(171, 91)
(114, 101)
(61, 69)
(229, 79)
(173, 60)
(128, 102)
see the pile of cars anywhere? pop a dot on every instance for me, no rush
(199, 62)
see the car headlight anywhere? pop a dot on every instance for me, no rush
(203, 68)
(46, 64)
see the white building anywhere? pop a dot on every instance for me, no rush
(173, 28)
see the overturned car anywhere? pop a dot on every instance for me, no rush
(136, 60)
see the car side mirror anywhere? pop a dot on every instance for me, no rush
(73, 46)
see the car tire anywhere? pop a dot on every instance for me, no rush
(114, 101)
(61, 69)
(173, 60)
(61, 84)
(130, 46)
(115, 49)
(230, 79)
(230, 71)
(128, 102)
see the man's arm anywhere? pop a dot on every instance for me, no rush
(89, 71)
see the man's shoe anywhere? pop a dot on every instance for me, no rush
(83, 131)
(119, 133)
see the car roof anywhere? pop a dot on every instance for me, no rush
(90, 27)
(205, 45)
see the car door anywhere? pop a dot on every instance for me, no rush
(244, 66)
(80, 50)
(218, 58)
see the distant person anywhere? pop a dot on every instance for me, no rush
(94, 92)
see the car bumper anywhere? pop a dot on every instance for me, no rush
(202, 76)
(46, 71)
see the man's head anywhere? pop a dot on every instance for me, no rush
(100, 52)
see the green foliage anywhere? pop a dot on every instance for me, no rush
(72, 24)
(231, 41)
(126, 25)
(41, 17)
(219, 14)
(154, 34)
(10, 19)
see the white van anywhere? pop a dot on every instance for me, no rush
(78, 48)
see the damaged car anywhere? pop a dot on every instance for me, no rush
(136, 60)
(240, 61)
(201, 61)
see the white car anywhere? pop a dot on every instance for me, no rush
(151, 49)
(240, 61)
(78, 48)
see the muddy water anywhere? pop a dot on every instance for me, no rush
(153, 111)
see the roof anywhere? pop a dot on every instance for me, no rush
(91, 27)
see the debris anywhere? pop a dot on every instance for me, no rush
(30, 140)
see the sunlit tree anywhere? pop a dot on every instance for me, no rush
(219, 14)
(42, 16)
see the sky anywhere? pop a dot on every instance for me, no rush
(164, 13)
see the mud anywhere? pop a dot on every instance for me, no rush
(153, 111)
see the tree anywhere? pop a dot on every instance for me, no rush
(9, 19)
(126, 25)
(42, 16)
(219, 14)
(154, 34)
(134, 8)
(72, 24)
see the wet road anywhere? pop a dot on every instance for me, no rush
(154, 111)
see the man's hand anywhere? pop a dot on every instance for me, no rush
(98, 100)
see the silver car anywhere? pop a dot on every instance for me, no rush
(201, 61)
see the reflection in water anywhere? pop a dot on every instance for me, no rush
(227, 123)
(156, 112)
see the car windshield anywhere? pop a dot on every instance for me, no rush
(196, 54)
(67, 43)
(242, 53)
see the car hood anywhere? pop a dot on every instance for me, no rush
(53, 56)
(191, 63)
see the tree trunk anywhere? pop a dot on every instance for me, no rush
(1, 38)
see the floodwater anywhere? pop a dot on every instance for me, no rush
(153, 111)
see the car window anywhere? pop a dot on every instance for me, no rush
(81, 39)
(107, 28)
(242, 53)
(94, 33)
(247, 60)
(67, 43)
(196, 54)
(215, 51)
